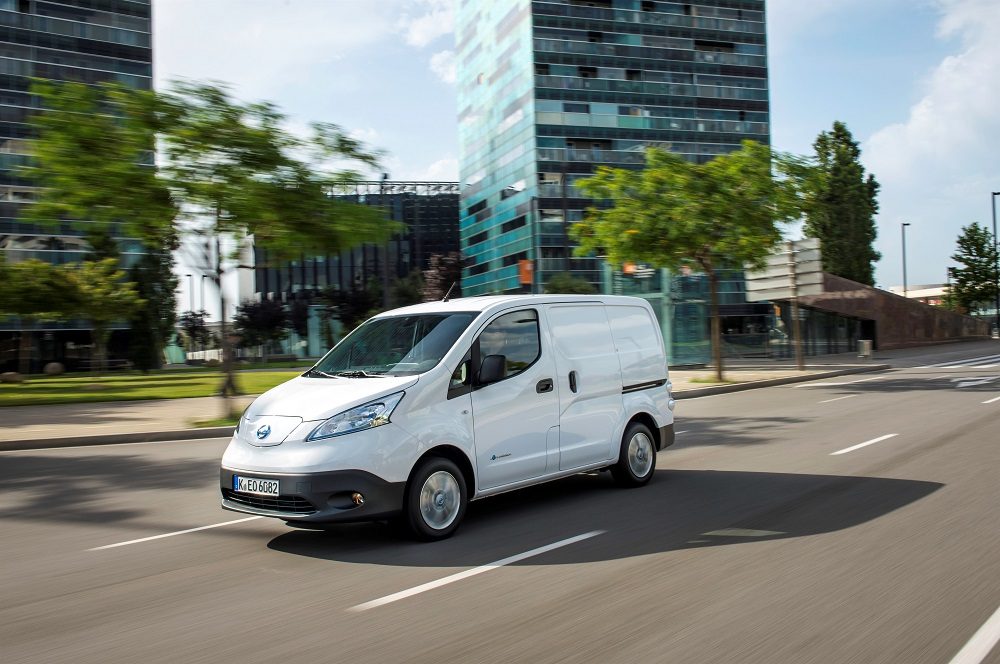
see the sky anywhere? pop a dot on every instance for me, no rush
(916, 81)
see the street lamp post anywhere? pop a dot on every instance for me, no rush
(996, 260)
(903, 226)
(203, 277)
(190, 291)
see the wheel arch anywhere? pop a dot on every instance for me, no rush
(646, 419)
(456, 456)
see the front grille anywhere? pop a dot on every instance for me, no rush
(283, 504)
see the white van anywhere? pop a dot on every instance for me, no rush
(422, 409)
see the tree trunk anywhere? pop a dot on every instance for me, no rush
(24, 352)
(713, 287)
(229, 379)
(99, 336)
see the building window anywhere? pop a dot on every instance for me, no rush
(633, 75)
(576, 108)
(514, 259)
(479, 237)
(595, 37)
(648, 6)
(513, 224)
(587, 72)
(542, 69)
(477, 207)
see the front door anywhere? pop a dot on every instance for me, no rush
(513, 415)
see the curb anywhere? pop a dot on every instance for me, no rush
(115, 439)
(754, 384)
(225, 432)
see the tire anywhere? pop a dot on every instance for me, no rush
(636, 458)
(436, 500)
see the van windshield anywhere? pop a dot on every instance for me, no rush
(394, 346)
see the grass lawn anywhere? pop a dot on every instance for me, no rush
(40, 391)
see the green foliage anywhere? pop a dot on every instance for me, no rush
(104, 297)
(261, 323)
(675, 213)
(408, 290)
(353, 306)
(442, 271)
(298, 318)
(195, 330)
(567, 283)
(842, 207)
(93, 160)
(974, 286)
(34, 290)
(236, 164)
(152, 324)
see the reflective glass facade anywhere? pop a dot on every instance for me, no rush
(80, 40)
(550, 90)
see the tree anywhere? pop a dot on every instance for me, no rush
(193, 324)
(675, 213)
(298, 318)
(34, 291)
(152, 324)
(974, 287)
(104, 297)
(355, 305)
(93, 159)
(239, 173)
(842, 207)
(442, 271)
(261, 323)
(567, 283)
(408, 290)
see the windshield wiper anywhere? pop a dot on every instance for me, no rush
(356, 374)
(318, 372)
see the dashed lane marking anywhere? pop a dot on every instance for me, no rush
(178, 532)
(864, 444)
(403, 594)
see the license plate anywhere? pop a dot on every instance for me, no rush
(256, 485)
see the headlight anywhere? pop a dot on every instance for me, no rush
(243, 416)
(368, 416)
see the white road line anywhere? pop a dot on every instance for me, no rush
(981, 643)
(403, 594)
(839, 398)
(953, 364)
(992, 400)
(864, 444)
(680, 432)
(179, 532)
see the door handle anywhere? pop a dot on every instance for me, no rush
(544, 385)
(572, 381)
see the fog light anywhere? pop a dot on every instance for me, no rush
(358, 499)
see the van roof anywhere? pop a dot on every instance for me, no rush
(493, 302)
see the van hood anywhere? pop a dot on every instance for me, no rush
(322, 398)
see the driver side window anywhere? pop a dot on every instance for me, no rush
(514, 337)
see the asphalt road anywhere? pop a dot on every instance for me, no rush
(756, 541)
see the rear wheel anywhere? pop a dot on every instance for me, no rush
(436, 498)
(637, 456)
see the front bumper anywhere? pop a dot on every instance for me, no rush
(317, 497)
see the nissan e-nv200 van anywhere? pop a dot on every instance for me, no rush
(424, 408)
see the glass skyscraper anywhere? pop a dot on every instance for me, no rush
(548, 90)
(89, 41)
(76, 40)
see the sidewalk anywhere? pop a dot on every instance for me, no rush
(32, 427)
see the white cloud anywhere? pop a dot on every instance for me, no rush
(938, 166)
(266, 44)
(443, 64)
(434, 19)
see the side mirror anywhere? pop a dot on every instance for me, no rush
(494, 368)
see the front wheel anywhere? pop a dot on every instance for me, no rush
(436, 498)
(637, 456)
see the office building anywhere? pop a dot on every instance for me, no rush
(550, 90)
(89, 41)
(428, 212)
